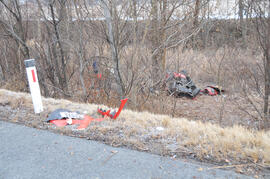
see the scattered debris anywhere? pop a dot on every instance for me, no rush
(114, 151)
(212, 90)
(63, 117)
(179, 84)
(160, 128)
(113, 114)
(60, 114)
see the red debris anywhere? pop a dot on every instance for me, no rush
(112, 115)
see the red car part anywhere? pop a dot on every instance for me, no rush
(179, 75)
(107, 113)
(212, 90)
(83, 123)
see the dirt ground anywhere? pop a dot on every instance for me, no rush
(224, 110)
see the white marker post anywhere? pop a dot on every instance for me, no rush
(34, 85)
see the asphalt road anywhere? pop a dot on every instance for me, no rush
(30, 153)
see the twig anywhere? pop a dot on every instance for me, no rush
(60, 90)
(266, 167)
(108, 158)
(226, 166)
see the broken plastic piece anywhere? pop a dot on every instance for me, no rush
(83, 123)
(64, 122)
(59, 114)
(180, 75)
(123, 102)
(105, 113)
(87, 120)
(63, 117)
(212, 90)
(114, 114)
(59, 123)
(69, 121)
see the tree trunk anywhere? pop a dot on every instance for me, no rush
(267, 89)
(114, 50)
(242, 23)
(266, 109)
(196, 13)
(80, 52)
(155, 40)
(163, 32)
(62, 76)
(194, 40)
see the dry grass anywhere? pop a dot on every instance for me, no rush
(208, 141)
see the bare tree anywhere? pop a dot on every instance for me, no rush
(158, 16)
(168, 21)
(261, 11)
(116, 37)
(56, 57)
(241, 12)
(17, 31)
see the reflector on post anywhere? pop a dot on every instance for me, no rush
(34, 85)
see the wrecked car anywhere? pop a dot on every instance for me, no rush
(180, 84)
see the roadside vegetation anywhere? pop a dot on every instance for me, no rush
(94, 53)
